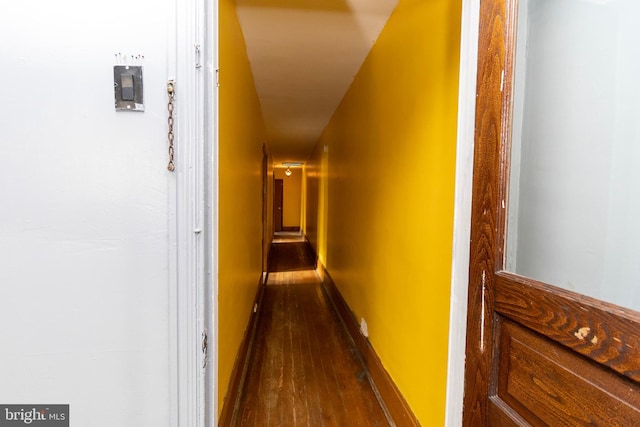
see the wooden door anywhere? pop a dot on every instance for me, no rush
(537, 354)
(278, 197)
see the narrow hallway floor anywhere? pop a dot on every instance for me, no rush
(304, 371)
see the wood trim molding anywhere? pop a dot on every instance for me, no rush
(241, 365)
(393, 403)
(291, 228)
(485, 250)
(603, 332)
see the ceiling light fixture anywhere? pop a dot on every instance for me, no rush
(289, 165)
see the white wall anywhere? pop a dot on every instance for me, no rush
(84, 277)
(574, 222)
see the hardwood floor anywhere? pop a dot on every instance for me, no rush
(304, 371)
(291, 256)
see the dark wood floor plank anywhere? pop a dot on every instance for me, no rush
(304, 371)
(310, 369)
(358, 403)
(320, 355)
(297, 377)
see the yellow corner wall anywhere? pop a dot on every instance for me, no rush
(315, 195)
(267, 206)
(241, 135)
(380, 187)
(292, 196)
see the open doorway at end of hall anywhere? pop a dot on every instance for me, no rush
(287, 200)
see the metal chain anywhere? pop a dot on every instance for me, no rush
(170, 92)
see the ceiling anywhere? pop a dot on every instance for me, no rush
(304, 55)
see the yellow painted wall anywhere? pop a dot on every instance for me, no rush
(292, 196)
(385, 193)
(241, 135)
(315, 197)
(267, 198)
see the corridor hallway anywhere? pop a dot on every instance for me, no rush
(304, 370)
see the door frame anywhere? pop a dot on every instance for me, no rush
(280, 226)
(462, 212)
(193, 213)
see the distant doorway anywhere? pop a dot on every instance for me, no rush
(278, 196)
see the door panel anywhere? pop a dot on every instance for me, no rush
(549, 385)
(278, 197)
(605, 333)
(536, 354)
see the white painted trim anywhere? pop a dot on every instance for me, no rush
(193, 302)
(210, 52)
(462, 212)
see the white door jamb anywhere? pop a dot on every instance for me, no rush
(462, 212)
(192, 51)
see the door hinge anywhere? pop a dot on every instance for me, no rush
(205, 348)
(217, 77)
(197, 52)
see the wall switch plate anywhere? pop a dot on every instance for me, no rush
(128, 87)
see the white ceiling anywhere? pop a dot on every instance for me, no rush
(304, 55)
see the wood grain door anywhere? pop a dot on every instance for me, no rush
(278, 201)
(537, 354)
